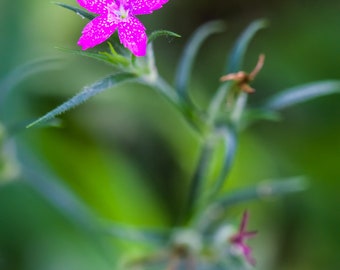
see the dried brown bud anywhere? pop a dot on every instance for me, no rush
(243, 79)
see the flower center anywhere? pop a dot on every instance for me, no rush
(116, 13)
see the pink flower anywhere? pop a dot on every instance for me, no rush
(118, 15)
(238, 240)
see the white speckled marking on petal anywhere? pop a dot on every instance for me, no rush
(140, 7)
(132, 35)
(96, 6)
(96, 31)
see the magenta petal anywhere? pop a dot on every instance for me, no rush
(95, 6)
(145, 6)
(95, 32)
(132, 35)
(246, 252)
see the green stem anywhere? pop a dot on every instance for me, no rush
(217, 101)
(188, 109)
(197, 182)
(238, 109)
(229, 143)
(169, 92)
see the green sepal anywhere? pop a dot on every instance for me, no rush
(112, 58)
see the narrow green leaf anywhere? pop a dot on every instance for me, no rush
(81, 12)
(16, 76)
(230, 144)
(190, 52)
(238, 52)
(160, 33)
(216, 211)
(57, 194)
(148, 236)
(302, 93)
(270, 189)
(87, 93)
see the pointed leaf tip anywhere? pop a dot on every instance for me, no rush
(190, 52)
(81, 12)
(88, 92)
(302, 93)
(159, 33)
(238, 52)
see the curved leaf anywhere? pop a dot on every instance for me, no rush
(81, 12)
(234, 64)
(302, 93)
(160, 33)
(216, 211)
(88, 92)
(24, 71)
(237, 54)
(186, 61)
(277, 188)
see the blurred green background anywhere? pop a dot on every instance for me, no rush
(128, 155)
